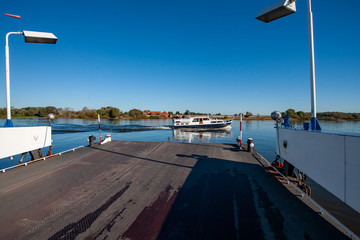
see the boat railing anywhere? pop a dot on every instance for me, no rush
(322, 211)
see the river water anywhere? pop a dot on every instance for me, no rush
(70, 133)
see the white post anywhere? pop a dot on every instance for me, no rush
(312, 68)
(99, 127)
(7, 71)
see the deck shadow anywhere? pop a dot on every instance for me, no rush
(223, 199)
(215, 202)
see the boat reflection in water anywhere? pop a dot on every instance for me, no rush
(200, 135)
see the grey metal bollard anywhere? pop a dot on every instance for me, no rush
(250, 144)
(91, 140)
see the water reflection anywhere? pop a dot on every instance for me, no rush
(189, 136)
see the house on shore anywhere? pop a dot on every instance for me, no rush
(155, 113)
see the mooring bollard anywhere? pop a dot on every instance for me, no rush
(91, 140)
(107, 139)
(250, 144)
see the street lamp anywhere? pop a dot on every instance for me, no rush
(277, 10)
(282, 9)
(30, 37)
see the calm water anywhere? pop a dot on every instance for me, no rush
(70, 133)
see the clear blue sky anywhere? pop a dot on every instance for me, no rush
(205, 56)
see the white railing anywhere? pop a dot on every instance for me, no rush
(39, 159)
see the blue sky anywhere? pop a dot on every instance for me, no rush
(174, 55)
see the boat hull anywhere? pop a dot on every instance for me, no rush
(205, 126)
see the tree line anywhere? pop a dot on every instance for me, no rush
(85, 113)
(300, 115)
(115, 113)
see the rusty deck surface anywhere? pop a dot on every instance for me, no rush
(151, 190)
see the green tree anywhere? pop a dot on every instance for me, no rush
(91, 114)
(291, 113)
(102, 112)
(20, 112)
(135, 113)
(300, 114)
(67, 112)
(2, 112)
(114, 113)
(30, 111)
(51, 109)
(248, 114)
(41, 112)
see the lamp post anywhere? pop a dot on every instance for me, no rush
(30, 37)
(282, 9)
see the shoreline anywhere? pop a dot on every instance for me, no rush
(252, 118)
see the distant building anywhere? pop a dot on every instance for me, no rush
(155, 113)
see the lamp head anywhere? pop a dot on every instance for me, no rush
(40, 37)
(277, 10)
(50, 117)
(276, 116)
